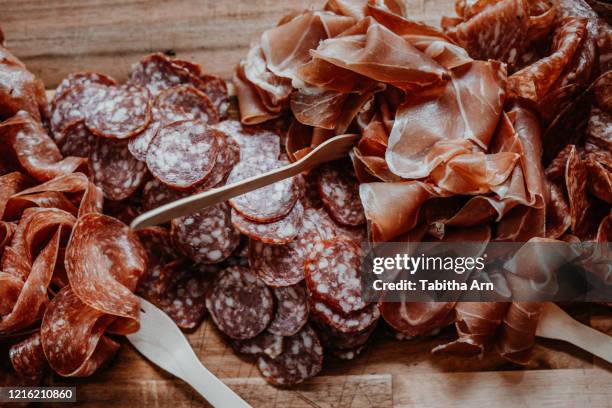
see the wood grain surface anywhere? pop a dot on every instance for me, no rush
(56, 37)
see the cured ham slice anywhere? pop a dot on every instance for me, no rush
(395, 61)
(518, 331)
(476, 325)
(420, 140)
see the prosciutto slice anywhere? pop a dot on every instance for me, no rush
(442, 122)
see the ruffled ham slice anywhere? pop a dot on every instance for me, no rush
(445, 121)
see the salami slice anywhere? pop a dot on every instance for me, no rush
(278, 232)
(206, 236)
(216, 89)
(339, 190)
(120, 112)
(253, 141)
(229, 155)
(116, 172)
(352, 323)
(160, 251)
(156, 194)
(301, 359)
(172, 105)
(157, 72)
(139, 144)
(283, 265)
(182, 291)
(182, 154)
(82, 78)
(185, 102)
(240, 304)
(77, 140)
(264, 343)
(72, 106)
(311, 197)
(332, 272)
(104, 261)
(28, 358)
(337, 340)
(268, 203)
(291, 310)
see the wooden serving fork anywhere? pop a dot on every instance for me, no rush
(162, 342)
(332, 149)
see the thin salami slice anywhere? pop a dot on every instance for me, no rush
(240, 304)
(121, 112)
(82, 78)
(229, 155)
(291, 310)
(182, 291)
(206, 236)
(332, 272)
(156, 194)
(268, 203)
(182, 154)
(173, 105)
(72, 106)
(352, 323)
(185, 102)
(139, 144)
(337, 340)
(301, 359)
(28, 358)
(264, 343)
(278, 232)
(216, 89)
(104, 261)
(253, 141)
(160, 251)
(77, 140)
(116, 172)
(339, 191)
(157, 72)
(283, 265)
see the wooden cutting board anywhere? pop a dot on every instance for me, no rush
(56, 37)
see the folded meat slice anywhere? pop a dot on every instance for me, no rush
(34, 151)
(252, 110)
(350, 8)
(20, 90)
(32, 258)
(287, 46)
(104, 261)
(392, 209)
(86, 196)
(374, 51)
(535, 81)
(441, 122)
(476, 324)
(72, 336)
(517, 335)
(497, 31)
(417, 318)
